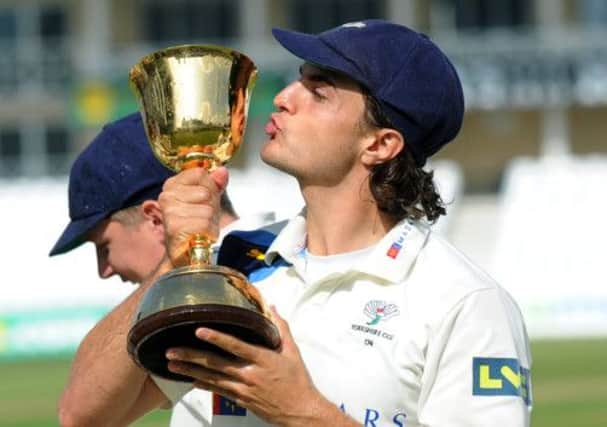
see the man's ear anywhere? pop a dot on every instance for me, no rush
(381, 146)
(152, 215)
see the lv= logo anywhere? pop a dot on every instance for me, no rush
(500, 377)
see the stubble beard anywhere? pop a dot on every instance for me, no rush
(275, 160)
(277, 164)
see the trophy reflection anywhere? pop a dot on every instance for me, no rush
(194, 101)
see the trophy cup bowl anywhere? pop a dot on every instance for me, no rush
(194, 102)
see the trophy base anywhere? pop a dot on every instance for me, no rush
(152, 336)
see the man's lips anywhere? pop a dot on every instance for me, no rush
(271, 128)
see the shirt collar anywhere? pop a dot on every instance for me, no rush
(290, 241)
(391, 260)
(397, 251)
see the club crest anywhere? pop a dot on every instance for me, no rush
(380, 310)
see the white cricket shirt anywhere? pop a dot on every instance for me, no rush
(411, 335)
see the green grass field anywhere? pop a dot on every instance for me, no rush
(569, 386)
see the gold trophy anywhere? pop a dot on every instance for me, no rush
(194, 102)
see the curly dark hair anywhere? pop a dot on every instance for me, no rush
(400, 187)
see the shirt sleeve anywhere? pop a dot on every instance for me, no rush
(477, 370)
(173, 390)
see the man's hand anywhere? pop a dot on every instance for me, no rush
(190, 205)
(275, 385)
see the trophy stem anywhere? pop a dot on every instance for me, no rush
(200, 246)
(200, 250)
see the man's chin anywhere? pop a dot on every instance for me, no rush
(275, 163)
(130, 280)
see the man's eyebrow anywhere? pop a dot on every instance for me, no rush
(318, 75)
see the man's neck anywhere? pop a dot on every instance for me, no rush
(343, 219)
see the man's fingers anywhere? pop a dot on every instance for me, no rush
(187, 193)
(206, 359)
(198, 372)
(220, 177)
(217, 179)
(192, 176)
(190, 212)
(207, 368)
(241, 349)
(180, 226)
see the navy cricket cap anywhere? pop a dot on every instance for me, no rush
(115, 171)
(413, 80)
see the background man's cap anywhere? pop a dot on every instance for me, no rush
(115, 171)
(413, 80)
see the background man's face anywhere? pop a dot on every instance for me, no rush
(130, 251)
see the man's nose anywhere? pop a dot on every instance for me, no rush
(104, 269)
(283, 99)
